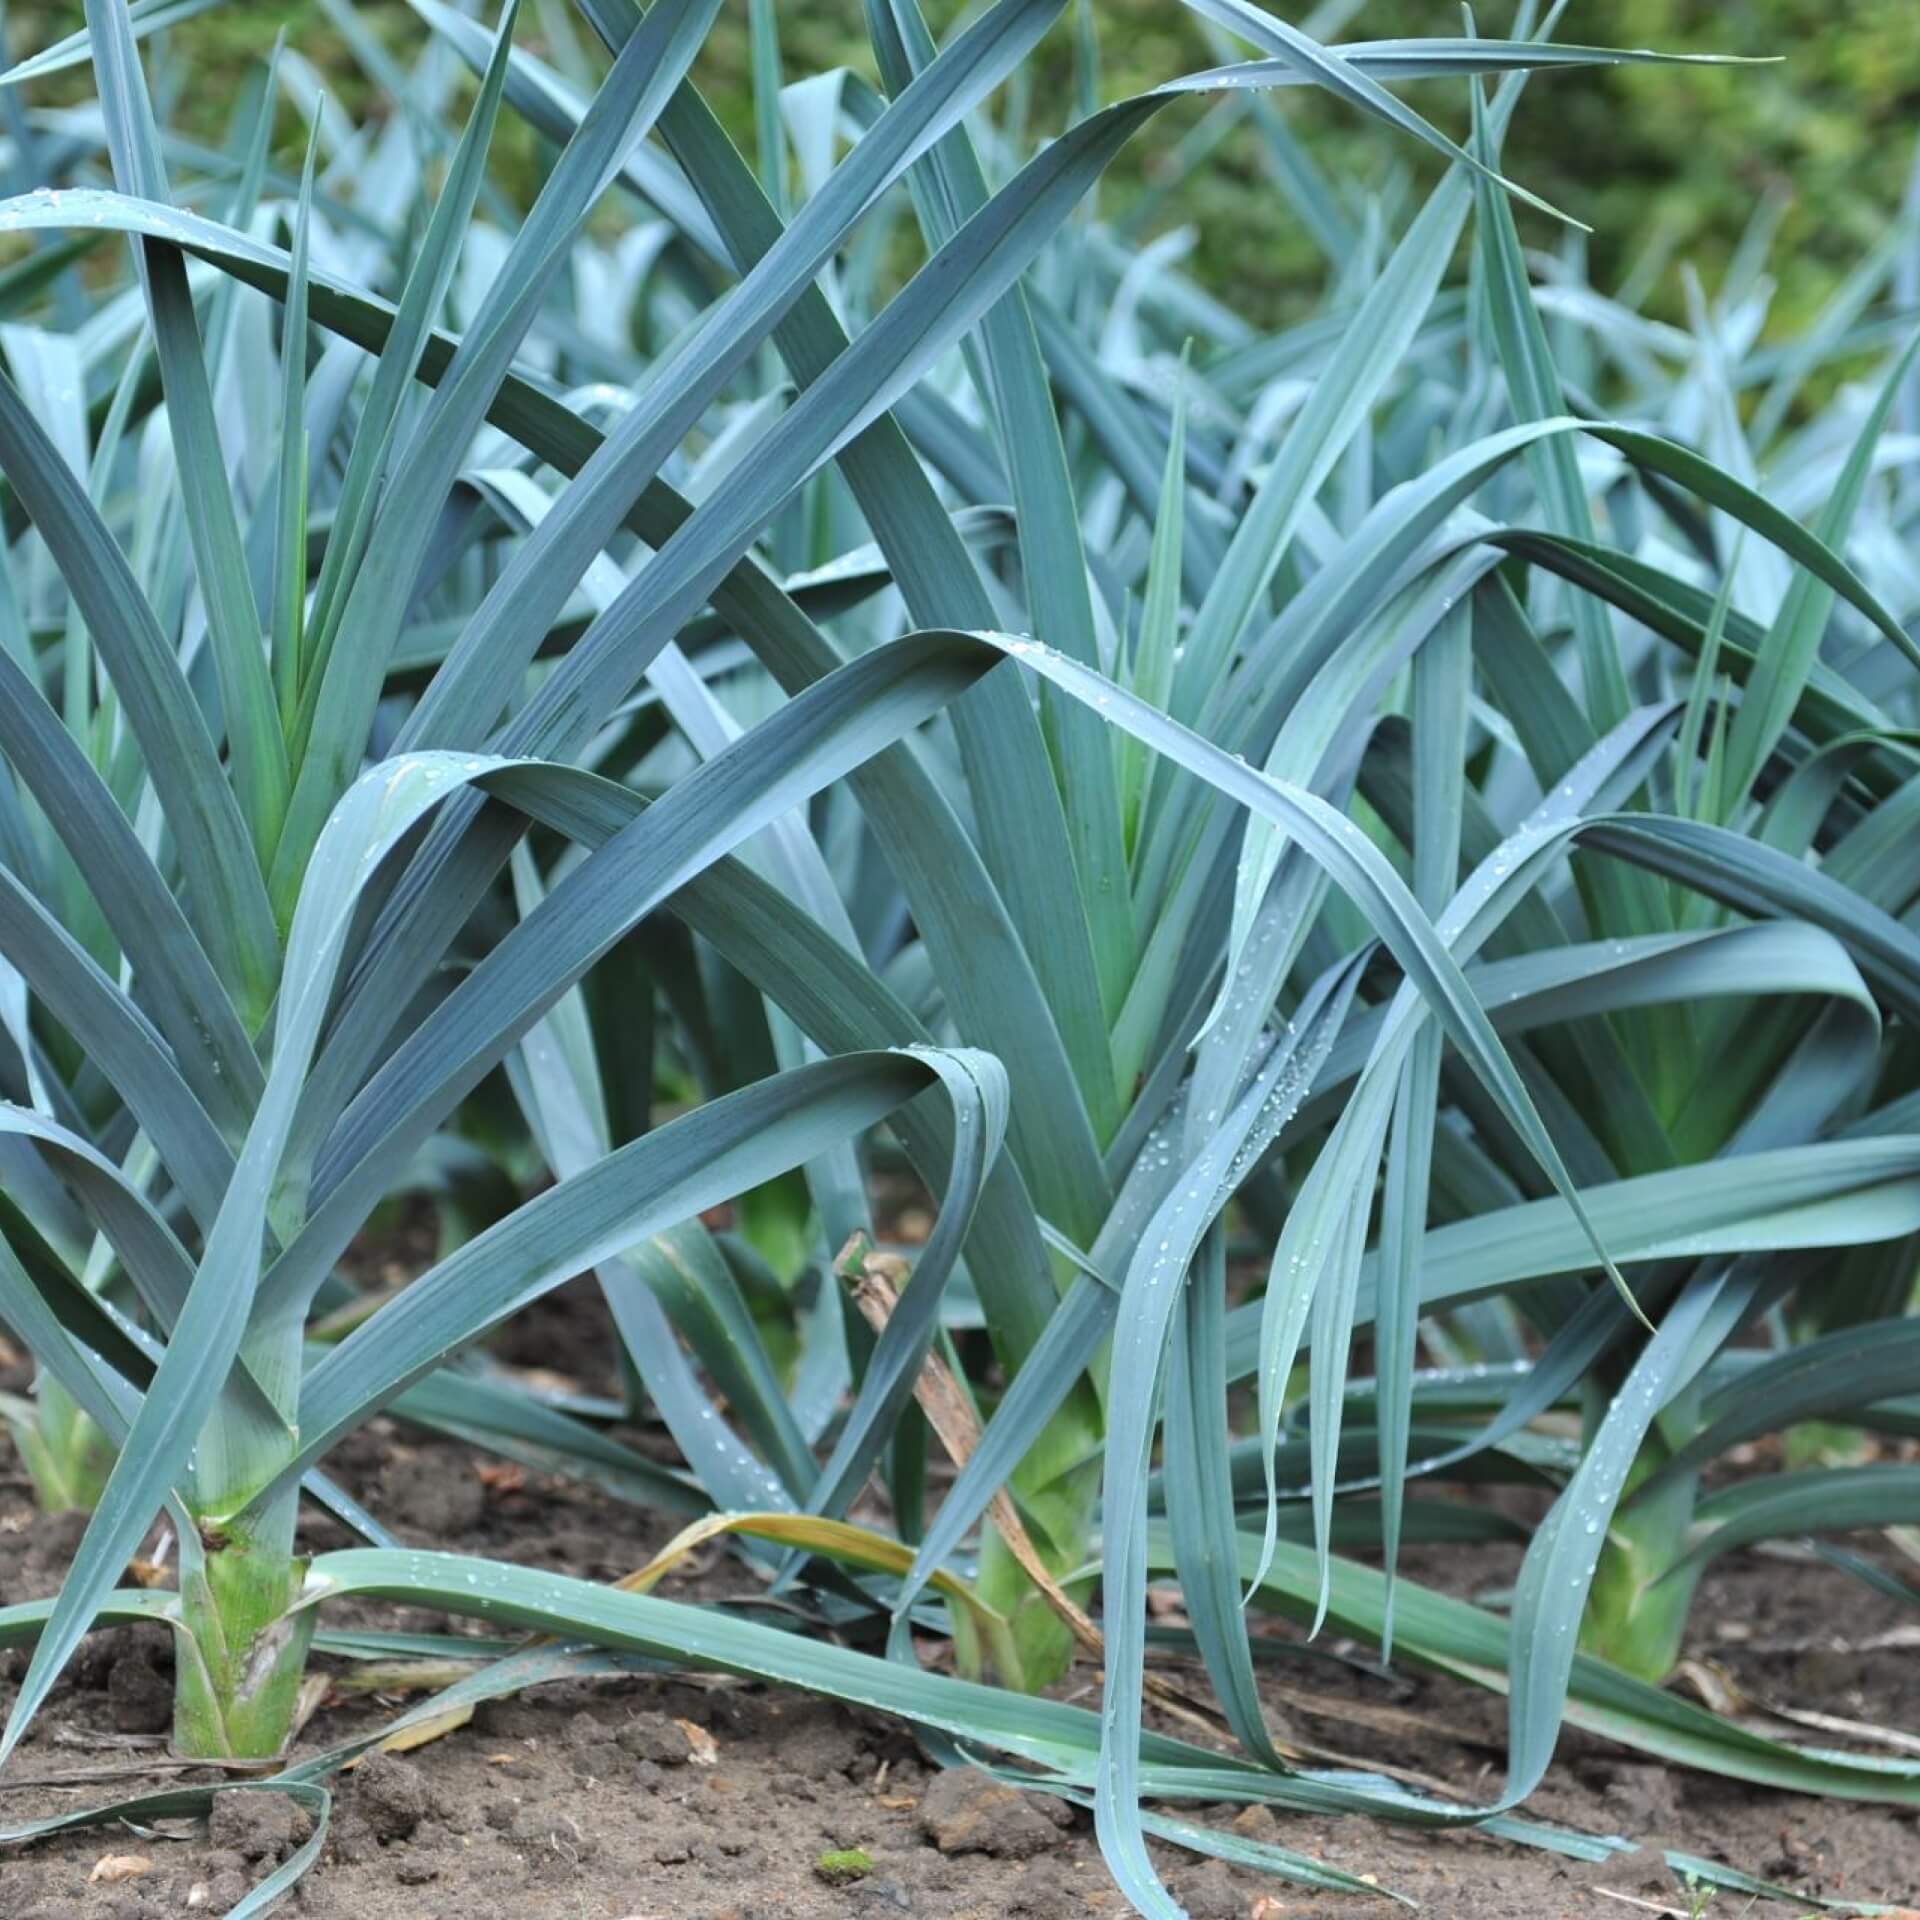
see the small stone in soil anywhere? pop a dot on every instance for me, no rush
(1046, 1892)
(1209, 1893)
(391, 1794)
(1257, 1822)
(134, 1906)
(966, 1811)
(256, 1826)
(225, 1891)
(350, 1840)
(881, 1897)
(604, 1761)
(652, 1736)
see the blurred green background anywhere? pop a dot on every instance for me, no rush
(1676, 161)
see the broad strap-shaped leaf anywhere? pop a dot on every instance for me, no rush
(287, 604)
(717, 1151)
(1826, 1378)
(810, 742)
(226, 899)
(1344, 77)
(1793, 641)
(217, 1317)
(172, 977)
(1371, 349)
(253, 732)
(367, 465)
(1814, 1500)
(120, 1041)
(1442, 683)
(951, 189)
(375, 598)
(144, 17)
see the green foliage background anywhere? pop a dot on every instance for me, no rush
(1638, 153)
(1646, 156)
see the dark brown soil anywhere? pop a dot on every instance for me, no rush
(593, 1802)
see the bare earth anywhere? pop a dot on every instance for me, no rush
(592, 1802)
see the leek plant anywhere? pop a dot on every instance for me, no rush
(1393, 831)
(65, 1453)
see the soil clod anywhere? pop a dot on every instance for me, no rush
(390, 1795)
(967, 1811)
(139, 1698)
(255, 1826)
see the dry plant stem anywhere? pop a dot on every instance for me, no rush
(874, 1280)
(1718, 1691)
